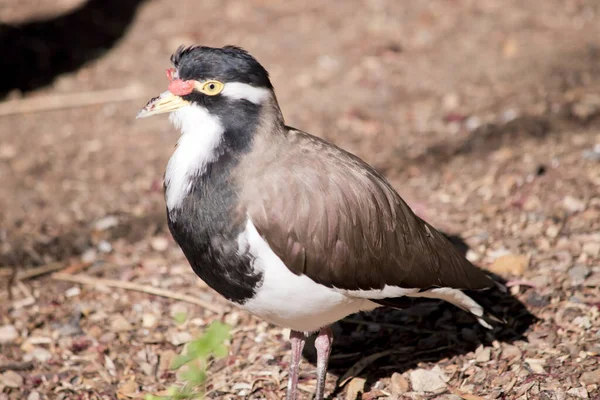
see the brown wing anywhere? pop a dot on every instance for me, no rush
(332, 217)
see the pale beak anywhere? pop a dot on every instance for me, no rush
(164, 103)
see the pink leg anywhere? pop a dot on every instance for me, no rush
(298, 339)
(323, 345)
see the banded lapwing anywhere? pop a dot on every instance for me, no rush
(286, 225)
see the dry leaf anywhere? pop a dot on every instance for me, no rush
(355, 388)
(510, 264)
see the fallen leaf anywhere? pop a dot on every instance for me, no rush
(399, 384)
(355, 388)
(466, 396)
(510, 264)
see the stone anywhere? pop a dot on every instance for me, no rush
(11, 379)
(149, 320)
(592, 154)
(484, 355)
(105, 223)
(590, 377)
(580, 393)
(578, 273)
(34, 396)
(592, 249)
(89, 256)
(39, 354)
(73, 291)
(593, 280)
(510, 352)
(120, 324)
(541, 280)
(180, 338)
(572, 204)
(423, 380)
(104, 247)
(8, 334)
(179, 311)
(159, 243)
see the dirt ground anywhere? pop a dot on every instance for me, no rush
(485, 116)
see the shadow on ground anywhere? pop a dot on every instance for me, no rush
(426, 331)
(37, 52)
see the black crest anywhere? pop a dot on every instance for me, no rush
(227, 64)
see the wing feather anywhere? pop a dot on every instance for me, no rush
(330, 216)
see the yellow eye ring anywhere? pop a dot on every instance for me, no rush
(211, 88)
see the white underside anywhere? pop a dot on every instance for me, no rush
(289, 300)
(299, 303)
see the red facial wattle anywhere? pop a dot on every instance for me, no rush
(180, 87)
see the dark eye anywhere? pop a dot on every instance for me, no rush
(211, 86)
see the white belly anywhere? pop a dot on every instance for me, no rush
(289, 300)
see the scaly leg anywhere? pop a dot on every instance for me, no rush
(323, 345)
(298, 339)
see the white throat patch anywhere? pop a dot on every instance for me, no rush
(201, 133)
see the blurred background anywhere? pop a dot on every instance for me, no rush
(484, 115)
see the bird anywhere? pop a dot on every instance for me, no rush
(284, 224)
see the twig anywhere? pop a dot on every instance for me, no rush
(88, 280)
(16, 366)
(11, 281)
(33, 272)
(70, 100)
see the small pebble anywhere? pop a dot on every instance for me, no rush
(120, 324)
(592, 249)
(39, 354)
(580, 393)
(88, 256)
(590, 377)
(34, 396)
(149, 320)
(11, 379)
(578, 273)
(104, 247)
(423, 380)
(159, 243)
(180, 338)
(572, 204)
(106, 223)
(593, 154)
(73, 291)
(8, 333)
(484, 355)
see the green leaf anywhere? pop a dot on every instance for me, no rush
(212, 342)
(180, 361)
(194, 376)
(153, 397)
(180, 317)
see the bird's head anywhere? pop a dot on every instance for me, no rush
(227, 85)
